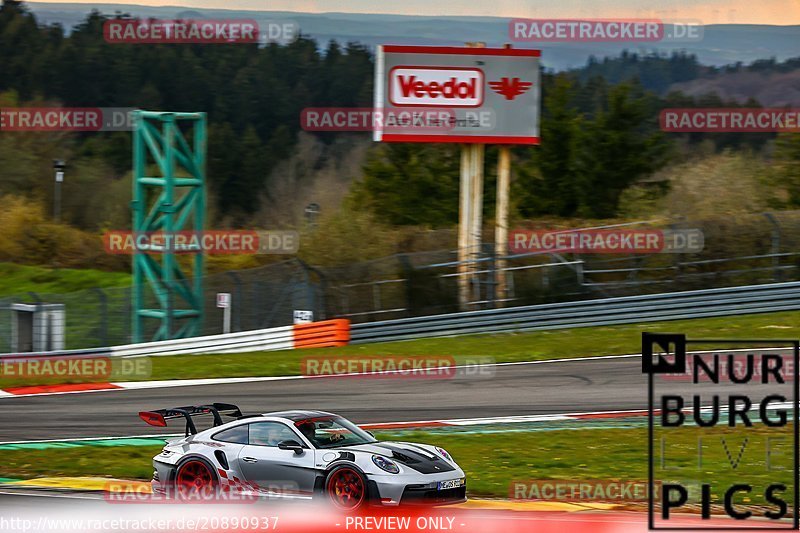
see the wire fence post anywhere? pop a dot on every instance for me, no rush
(776, 246)
(405, 265)
(102, 297)
(238, 301)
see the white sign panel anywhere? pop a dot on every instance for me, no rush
(436, 87)
(458, 95)
(303, 317)
(223, 300)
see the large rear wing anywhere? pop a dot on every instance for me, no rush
(159, 417)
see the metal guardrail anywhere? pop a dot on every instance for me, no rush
(600, 312)
(280, 338)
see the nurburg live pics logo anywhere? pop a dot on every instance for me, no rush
(757, 405)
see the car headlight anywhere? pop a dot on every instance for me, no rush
(444, 454)
(385, 464)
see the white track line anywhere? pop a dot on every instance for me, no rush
(83, 439)
(166, 384)
(426, 424)
(454, 422)
(520, 419)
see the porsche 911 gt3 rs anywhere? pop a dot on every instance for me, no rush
(299, 455)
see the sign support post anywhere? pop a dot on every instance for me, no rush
(501, 223)
(464, 221)
(472, 156)
(477, 152)
(224, 303)
(470, 221)
(488, 96)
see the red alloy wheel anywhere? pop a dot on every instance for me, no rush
(194, 481)
(345, 488)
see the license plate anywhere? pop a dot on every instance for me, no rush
(451, 484)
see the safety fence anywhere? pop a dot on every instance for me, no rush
(599, 312)
(325, 334)
(750, 249)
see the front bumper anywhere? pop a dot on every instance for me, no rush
(394, 490)
(432, 496)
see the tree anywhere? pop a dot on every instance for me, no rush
(414, 184)
(616, 149)
(547, 183)
(786, 174)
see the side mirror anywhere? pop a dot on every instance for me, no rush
(293, 445)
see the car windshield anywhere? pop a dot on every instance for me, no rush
(333, 432)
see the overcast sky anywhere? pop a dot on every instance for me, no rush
(781, 12)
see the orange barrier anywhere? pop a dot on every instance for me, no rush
(328, 333)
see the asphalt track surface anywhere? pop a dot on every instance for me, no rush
(588, 385)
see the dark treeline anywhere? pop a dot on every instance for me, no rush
(656, 72)
(599, 124)
(253, 95)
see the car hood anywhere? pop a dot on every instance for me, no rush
(410, 455)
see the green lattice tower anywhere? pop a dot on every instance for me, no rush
(168, 196)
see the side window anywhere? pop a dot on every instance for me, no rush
(270, 433)
(236, 435)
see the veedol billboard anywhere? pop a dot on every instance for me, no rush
(485, 95)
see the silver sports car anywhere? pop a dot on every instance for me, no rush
(299, 454)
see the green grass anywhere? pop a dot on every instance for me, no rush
(21, 279)
(494, 461)
(124, 462)
(503, 348)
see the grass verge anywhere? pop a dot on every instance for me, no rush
(509, 347)
(21, 279)
(494, 461)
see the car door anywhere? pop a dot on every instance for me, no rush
(273, 469)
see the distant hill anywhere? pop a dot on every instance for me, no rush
(723, 44)
(770, 89)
